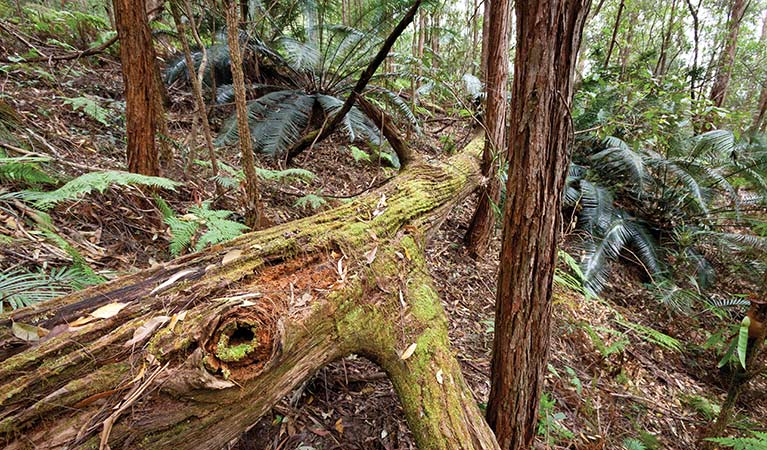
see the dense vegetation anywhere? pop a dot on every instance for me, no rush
(662, 262)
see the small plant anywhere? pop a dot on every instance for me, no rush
(758, 441)
(90, 107)
(550, 422)
(199, 228)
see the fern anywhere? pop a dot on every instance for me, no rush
(94, 181)
(757, 442)
(184, 229)
(90, 107)
(19, 289)
(652, 335)
(24, 170)
(310, 201)
(633, 444)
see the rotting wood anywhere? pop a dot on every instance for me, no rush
(244, 324)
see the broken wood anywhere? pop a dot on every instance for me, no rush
(190, 353)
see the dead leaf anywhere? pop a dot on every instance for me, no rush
(408, 351)
(109, 310)
(82, 321)
(29, 333)
(371, 255)
(340, 425)
(175, 277)
(178, 317)
(439, 376)
(341, 269)
(319, 432)
(146, 329)
(231, 256)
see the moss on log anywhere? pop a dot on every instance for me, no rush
(203, 345)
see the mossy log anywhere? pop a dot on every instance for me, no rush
(202, 346)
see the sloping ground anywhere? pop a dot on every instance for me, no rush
(610, 380)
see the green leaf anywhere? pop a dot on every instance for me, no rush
(743, 340)
(359, 154)
(90, 107)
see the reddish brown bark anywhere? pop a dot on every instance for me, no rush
(548, 37)
(724, 69)
(253, 216)
(141, 92)
(483, 221)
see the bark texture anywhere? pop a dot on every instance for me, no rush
(483, 221)
(253, 216)
(538, 158)
(207, 343)
(141, 91)
(727, 57)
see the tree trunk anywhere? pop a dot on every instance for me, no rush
(196, 81)
(253, 216)
(694, 11)
(384, 123)
(483, 221)
(538, 159)
(761, 107)
(724, 69)
(661, 66)
(485, 41)
(206, 344)
(625, 52)
(617, 25)
(141, 94)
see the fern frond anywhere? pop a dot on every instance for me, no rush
(24, 170)
(95, 181)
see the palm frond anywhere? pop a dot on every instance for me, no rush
(597, 201)
(619, 159)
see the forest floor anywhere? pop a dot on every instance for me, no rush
(610, 379)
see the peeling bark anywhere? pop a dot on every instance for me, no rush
(209, 342)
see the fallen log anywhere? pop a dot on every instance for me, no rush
(189, 354)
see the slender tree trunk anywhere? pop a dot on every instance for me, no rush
(196, 81)
(724, 68)
(696, 45)
(761, 108)
(485, 42)
(197, 349)
(435, 36)
(617, 25)
(253, 215)
(483, 221)
(137, 56)
(333, 121)
(625, 53)
(538, 159)
(385, 123)
(661, 66)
